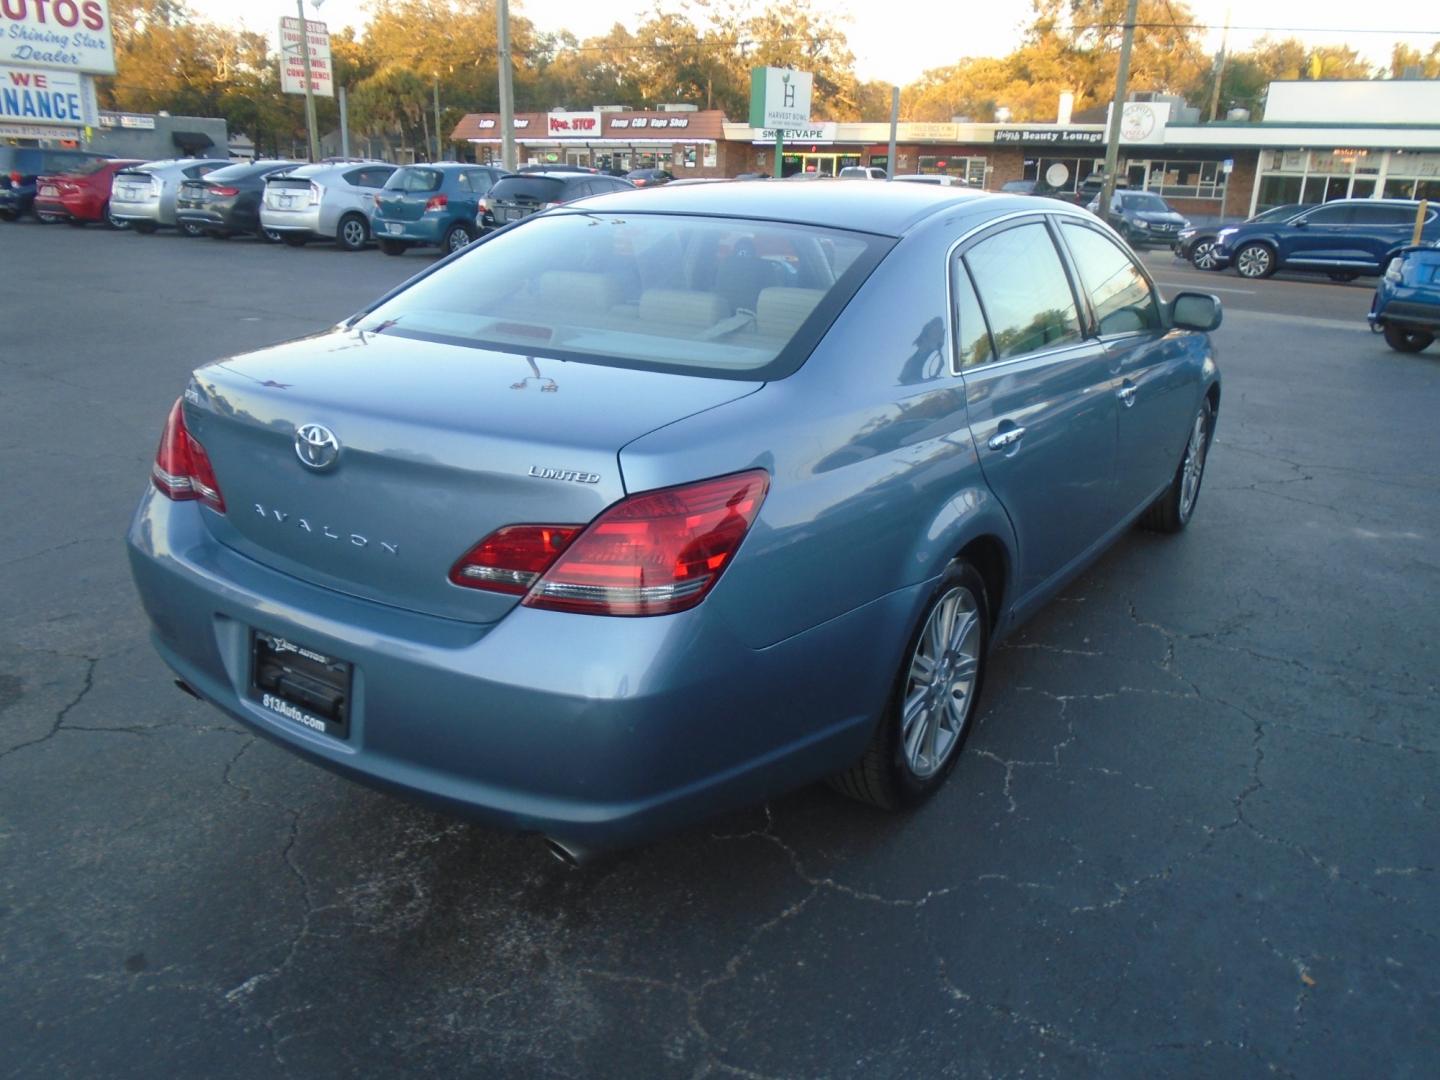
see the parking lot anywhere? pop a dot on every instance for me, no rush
(1194, 833)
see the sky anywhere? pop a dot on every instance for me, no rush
(896, 40)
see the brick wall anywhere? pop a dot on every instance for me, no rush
(1241, 187)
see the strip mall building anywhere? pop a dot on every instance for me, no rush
(1318, 141)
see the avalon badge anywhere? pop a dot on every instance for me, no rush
(316, 446)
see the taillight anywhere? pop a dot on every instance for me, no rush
(182, 469)
(551, 205)
(655, 553)
(377, 201)
(510, 560)
(314, 194)
(437, 202)
(15, 179)
(482, 207)
(222, 191)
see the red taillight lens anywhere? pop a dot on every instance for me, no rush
(182, 469)
(510, 560)
(377, 202)
(437, 202)
(222, 191)
(655, 553)
(15, 179)
(482, 207)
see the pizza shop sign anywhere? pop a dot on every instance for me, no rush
(73, 35)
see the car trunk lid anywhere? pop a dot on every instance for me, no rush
(438, 446)
(516, 197)
(290, 193)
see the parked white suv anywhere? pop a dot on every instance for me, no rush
(334, 199)
(862, 172)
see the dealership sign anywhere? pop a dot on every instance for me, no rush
(292, 57)
(73, 35)
(34, 96)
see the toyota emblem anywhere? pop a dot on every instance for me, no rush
(316, 446)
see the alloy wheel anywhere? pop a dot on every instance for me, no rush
(352, 233)
(1202, 256)
(1253, 261)
(940, 685)
(457, 239)
(1193, 467)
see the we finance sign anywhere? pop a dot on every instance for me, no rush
(37, 96)
(70, 35)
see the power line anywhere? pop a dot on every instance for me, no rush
(1267, 29)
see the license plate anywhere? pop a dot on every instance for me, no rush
(285, 202)
(49, 190)
(300, 684)
(394, 228)
(511, 215)
(128, 194)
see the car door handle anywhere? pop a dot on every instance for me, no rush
(1126, 394)
(1003, 439)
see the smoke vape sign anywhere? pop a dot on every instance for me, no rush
(780, 98)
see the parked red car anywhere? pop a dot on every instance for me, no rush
(81, 195)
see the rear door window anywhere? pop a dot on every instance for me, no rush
(1330, 215)
(1120, 296)
(477, 180)
(972, 337)
(1022, 284)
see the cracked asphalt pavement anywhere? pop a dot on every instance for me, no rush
(1194, 833)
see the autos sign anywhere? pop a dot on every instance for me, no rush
(73, 35)
(34, 96)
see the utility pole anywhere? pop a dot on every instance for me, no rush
(344, 124)
(507, 90)
(1219, 69)
(894, 125)
(309, 93)
(1117, 110)
(437, 117)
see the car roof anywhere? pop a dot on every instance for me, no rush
(892, 210)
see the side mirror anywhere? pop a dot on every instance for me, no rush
(1195, 311)
(1299, 223)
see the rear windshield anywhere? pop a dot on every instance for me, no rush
(728, 298)
(1151, 204)
(540, 189)
(83, 168)
(243, 171)
(409, 179)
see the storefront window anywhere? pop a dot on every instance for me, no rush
(1059, 174)
(1277, 191)
(969, 169)
(1186, 179)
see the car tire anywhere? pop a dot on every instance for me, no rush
(270, 236)
(144, 228)
(1343, 275)
(187, 228)
(908, 760)
(1173, 510)
(352, 234)
(113, 222)
(1403, 339)
(8, 215)
(456, 237)
(295, 239)
(1202, 255)
(394, 247)
(1255, 261)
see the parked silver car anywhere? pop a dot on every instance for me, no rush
(144, 196)
(330, 199)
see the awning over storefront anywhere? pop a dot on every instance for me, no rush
(192, 142)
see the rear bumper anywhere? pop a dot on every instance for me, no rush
(79, 207)
(599, 732)
(424, 231)
(298, 222)
(1408, 312)
(137, 211)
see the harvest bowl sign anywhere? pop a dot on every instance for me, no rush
(73, 35)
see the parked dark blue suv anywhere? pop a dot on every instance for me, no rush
(1344, 238)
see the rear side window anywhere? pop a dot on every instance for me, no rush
(1330, 215)
(1383, 215)
(1119, 294)
(972, 339)
(415, 180)
(666, 292)
(1026, 294)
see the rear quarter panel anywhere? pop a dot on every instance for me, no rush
(875, 479)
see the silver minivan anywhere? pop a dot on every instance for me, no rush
(144, 196)
(329, 199)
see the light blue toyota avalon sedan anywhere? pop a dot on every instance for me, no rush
(662, 503)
